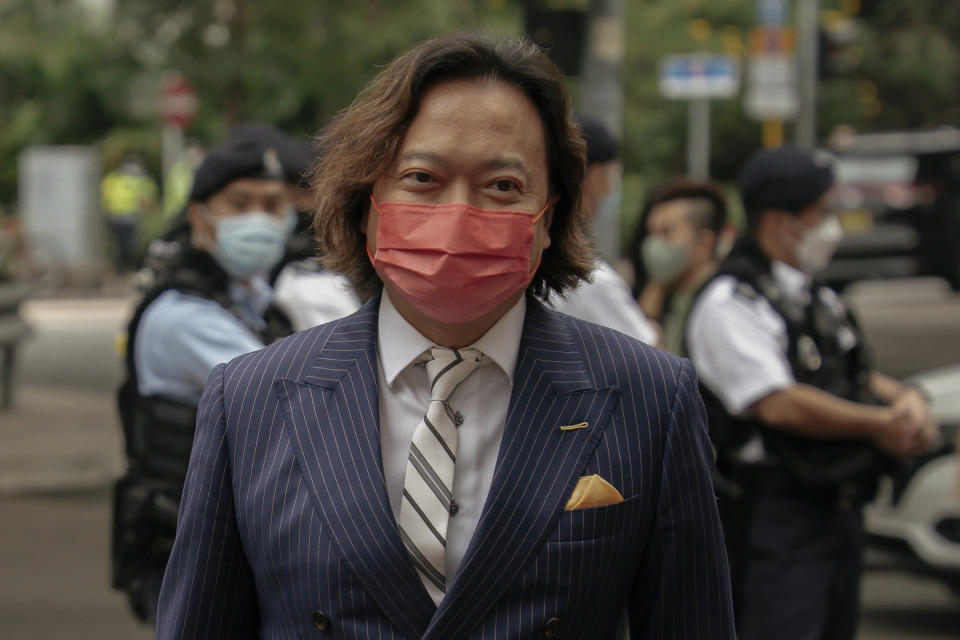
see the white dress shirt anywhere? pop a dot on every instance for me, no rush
(482, 398)
(607, 300)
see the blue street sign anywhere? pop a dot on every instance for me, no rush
(699, 75)
(772, 12)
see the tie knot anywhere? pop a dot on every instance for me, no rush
(447, 368)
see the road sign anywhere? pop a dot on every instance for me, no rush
(772, 40)
(771, 92)
(772, 12)
(699, 76)
(178, 100)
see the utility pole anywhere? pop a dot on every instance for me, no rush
(808, 29)
(602, 98)
(698, 139)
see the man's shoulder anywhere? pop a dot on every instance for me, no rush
(178, 312)
(726, 295)
(291, 357)
(603, 347)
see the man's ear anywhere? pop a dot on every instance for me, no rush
(201, 231)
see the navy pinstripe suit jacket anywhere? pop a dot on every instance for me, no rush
(285, 511)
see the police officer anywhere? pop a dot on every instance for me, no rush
(605, 298)
(802, 424)
(210, 304)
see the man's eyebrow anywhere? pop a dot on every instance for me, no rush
(506, 163)
(437, 159)
(423, 156)
(236, 191)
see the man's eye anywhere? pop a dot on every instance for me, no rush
(420, 177)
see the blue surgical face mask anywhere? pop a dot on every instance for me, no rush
(250, 243)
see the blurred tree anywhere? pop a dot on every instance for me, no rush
(905, 74)
(910, 69)
(87, 71)
(79, 71)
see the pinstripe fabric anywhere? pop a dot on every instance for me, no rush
(285, 510)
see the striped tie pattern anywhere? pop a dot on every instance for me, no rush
(427, 502)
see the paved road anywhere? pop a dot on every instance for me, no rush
(55, 584)
(73, 344)
(53, 542)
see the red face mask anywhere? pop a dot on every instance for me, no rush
(454, 262)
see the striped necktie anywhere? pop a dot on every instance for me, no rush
(427, 502)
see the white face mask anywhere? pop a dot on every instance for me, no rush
(817, 246)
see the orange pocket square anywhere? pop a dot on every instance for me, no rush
(592, 491)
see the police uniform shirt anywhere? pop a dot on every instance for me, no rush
(310, 296)
(738, 343)
(182, 337)
(607, 301)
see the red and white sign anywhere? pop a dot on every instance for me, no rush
(178, 100)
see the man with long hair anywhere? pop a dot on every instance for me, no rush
(453, 460)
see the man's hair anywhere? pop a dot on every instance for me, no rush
(708, 208)
(363, 140)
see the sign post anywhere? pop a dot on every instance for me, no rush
(178, 106)
(699, 78)
(771, 95)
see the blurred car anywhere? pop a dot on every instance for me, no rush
(898, 199)
(914, 522)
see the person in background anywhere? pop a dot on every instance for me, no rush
(209, 304)
(179, 179)
(682, 224)
(802, 423)
(306, 292)
(127, 194)
(453, 460)
(605, 298)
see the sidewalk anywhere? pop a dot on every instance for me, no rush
(59, 439)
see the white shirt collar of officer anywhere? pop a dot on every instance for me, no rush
(794, 282)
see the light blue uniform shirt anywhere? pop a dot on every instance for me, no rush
(182, 337)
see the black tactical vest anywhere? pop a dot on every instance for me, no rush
(818, 356)
(158, 433)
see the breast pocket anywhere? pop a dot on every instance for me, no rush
(598, 522)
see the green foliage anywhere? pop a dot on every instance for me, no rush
(72, 75)
(67, 76)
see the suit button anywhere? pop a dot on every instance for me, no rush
(321, 620)
(552, 628)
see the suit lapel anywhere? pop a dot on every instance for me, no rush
(332, 417)
(537, 468)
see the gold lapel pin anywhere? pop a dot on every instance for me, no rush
(573, 427)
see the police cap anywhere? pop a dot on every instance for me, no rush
(785, 178)
(247, 152)
(601, 145)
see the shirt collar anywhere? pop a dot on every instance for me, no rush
(501, 343)
(794, 281)
(252, 300)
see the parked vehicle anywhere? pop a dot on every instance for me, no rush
(898, 199)
(914, 523)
